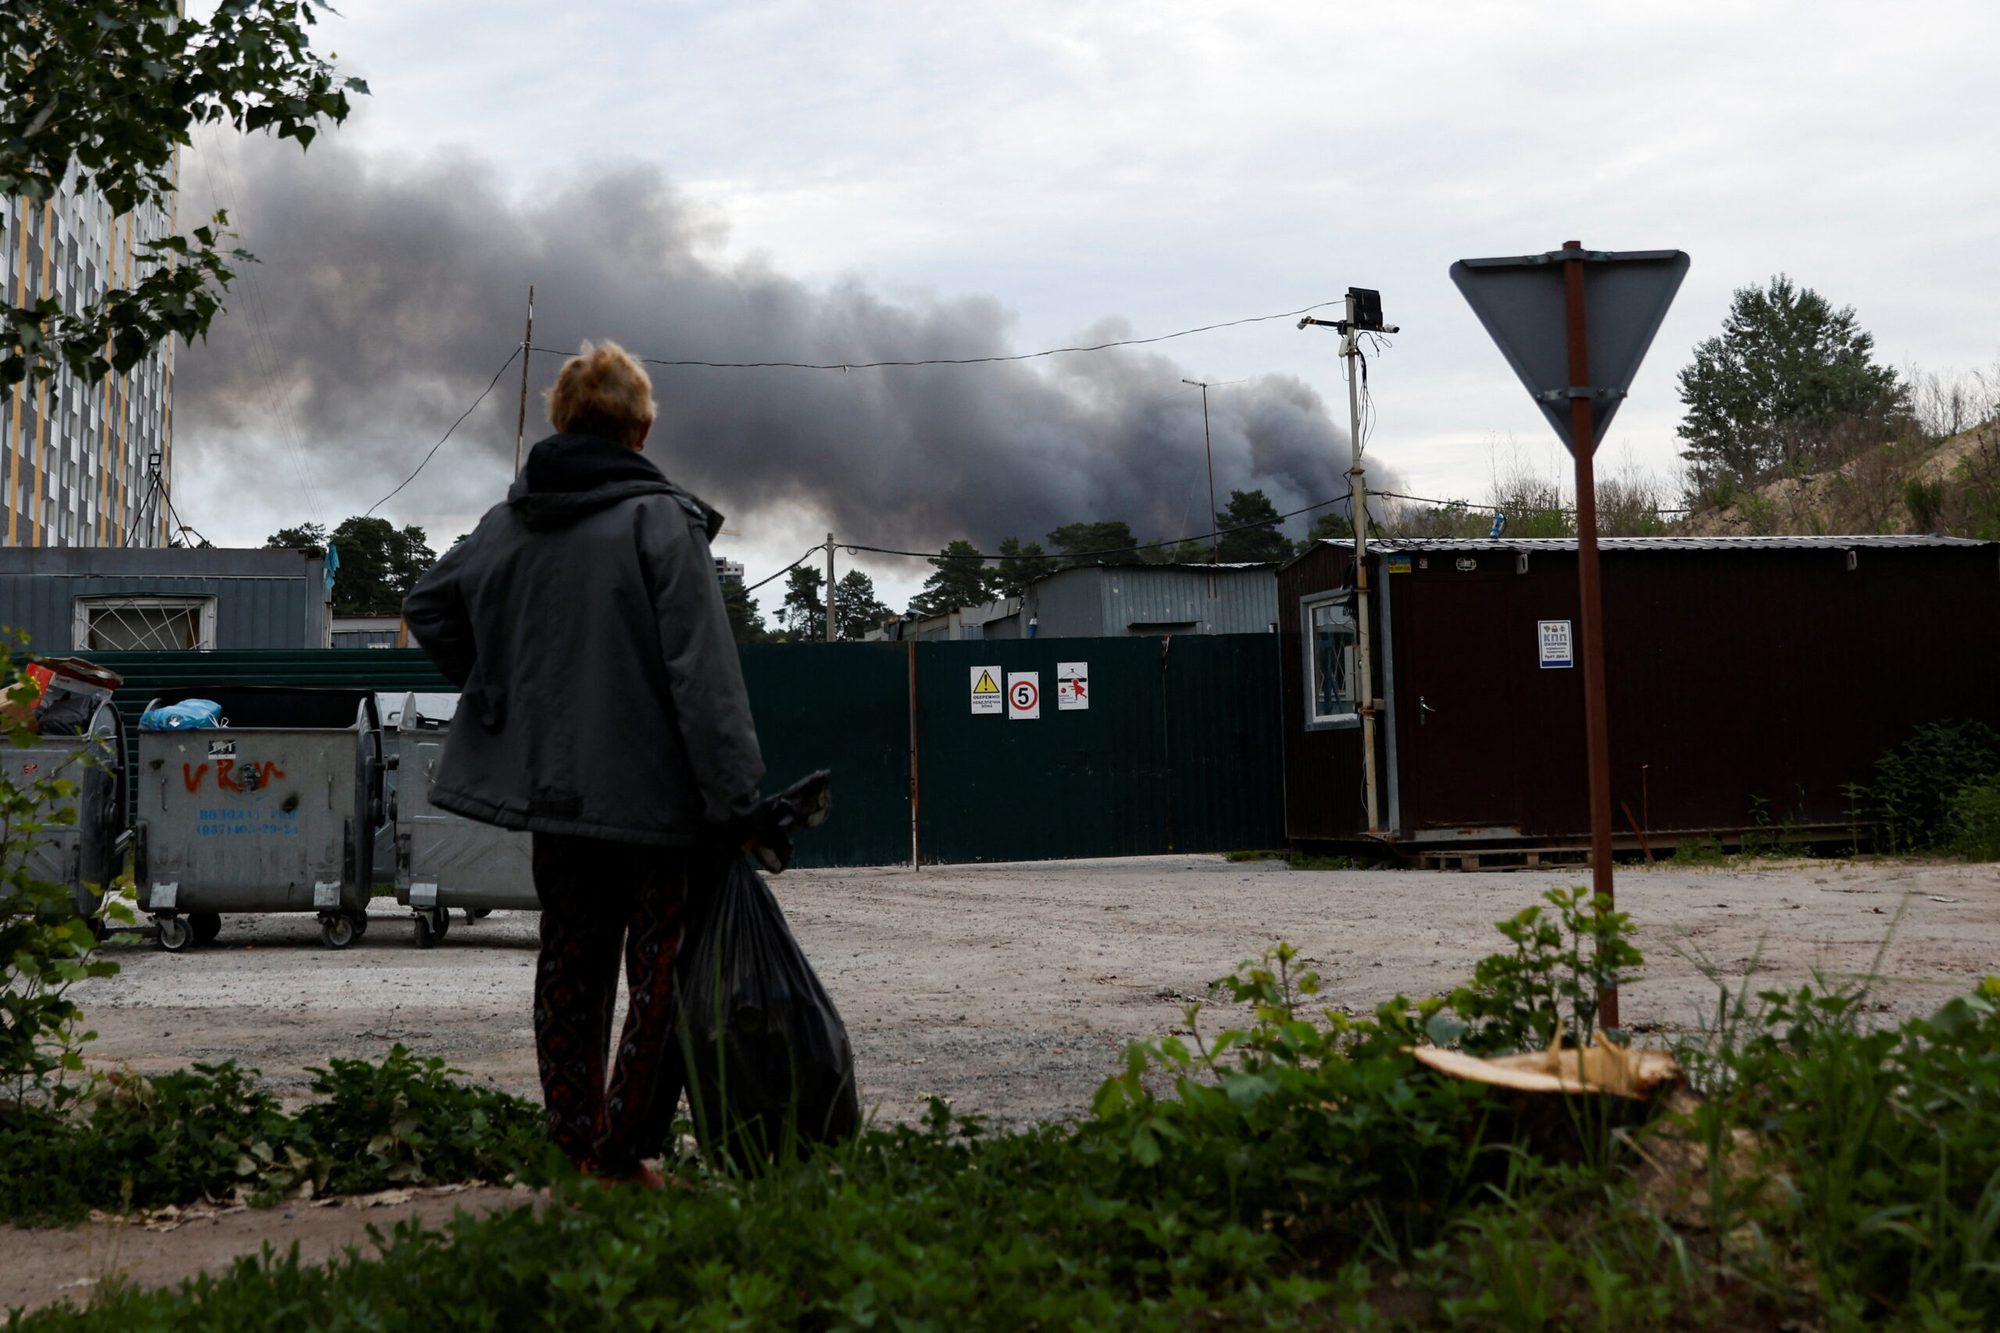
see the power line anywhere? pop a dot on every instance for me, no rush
(962, 360)
(447, 435)
(811, 551)
(1531, 509)
(1083, 555)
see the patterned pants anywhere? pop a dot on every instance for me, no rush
(596, 897)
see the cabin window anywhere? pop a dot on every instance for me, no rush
(1330, 665)
(113, 624)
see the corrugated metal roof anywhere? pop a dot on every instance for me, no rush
(1893, 540)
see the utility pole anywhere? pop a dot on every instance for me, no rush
(829, 588)
(521, 421)
(1363, 315)
(1215, 538)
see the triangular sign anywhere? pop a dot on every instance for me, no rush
(1520, 299)
(986, 685)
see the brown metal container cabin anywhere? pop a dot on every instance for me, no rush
(1749, 680)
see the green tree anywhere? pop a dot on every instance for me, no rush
(305, 537)
(960, 581)
(803, 615)
(856, 608)
(106, 92)
(1256, 535)
(1768, 392)
(378, 562)
(1087, 543)
(1330, 525)
(1018, 566)
(746, 622)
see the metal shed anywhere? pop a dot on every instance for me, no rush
(1749, 681)
(98, 599)
(1108, 601)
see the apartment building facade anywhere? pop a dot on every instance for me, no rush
(83, 464)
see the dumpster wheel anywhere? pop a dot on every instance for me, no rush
(206, 925)
(432, 926)
(174, 932)
(336, 930)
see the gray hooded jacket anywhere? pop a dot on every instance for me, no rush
(584, 623)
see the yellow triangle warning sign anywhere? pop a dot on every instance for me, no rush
(986, 685)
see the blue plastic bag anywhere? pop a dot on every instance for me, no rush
(186, 715)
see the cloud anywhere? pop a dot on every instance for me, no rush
(389, 291)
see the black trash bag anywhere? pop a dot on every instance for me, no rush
(768, 1067)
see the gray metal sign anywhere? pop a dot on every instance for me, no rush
(1521, 299)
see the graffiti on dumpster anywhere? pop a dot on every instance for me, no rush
(243, 822)
(233, 775)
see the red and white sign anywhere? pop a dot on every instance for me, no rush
(1024, 695)
(1072, 686)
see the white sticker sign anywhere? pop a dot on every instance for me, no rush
(986, 690)
(1072, 686)
(1024, 695)
(1558, 648)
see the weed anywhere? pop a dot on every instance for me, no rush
(213, 1132)
(1916, 783)
(1546, 987)
(1705, 850)
(1973, 823)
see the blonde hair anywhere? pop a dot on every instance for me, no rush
(601, 391)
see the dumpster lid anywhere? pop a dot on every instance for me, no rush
(429, 710)
(284, 707)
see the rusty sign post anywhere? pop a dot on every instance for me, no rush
(1575, 324)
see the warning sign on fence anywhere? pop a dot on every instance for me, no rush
(1072, 686)
(1024, 695)
(986, 689)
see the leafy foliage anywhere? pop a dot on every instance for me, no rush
(746, 623)
(1973, 823)
(105, 92)
(213, 1132)
(1545, 989)
(1255, 522)
(1785, 370)
(45, 947)
(856, 608)
(1087, 543)
(1019, 565)
(379, 563)
(1915, 785)
(959, 581)
(803, 615)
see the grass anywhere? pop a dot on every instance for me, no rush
(1298, 860)
(1299, 1171)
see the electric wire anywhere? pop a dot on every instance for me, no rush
(856, 547)
(447, 435)
(810, 553)
(961, 360)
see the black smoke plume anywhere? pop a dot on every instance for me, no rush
(389, 293)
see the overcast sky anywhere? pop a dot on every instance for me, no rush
(854, 181)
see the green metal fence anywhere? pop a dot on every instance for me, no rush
(1178, 748)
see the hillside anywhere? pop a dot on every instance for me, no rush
(1948, 486)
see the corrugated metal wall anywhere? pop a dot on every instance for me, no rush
(263, 599)
(1108, 600)
(1179, 750)
(843, 706)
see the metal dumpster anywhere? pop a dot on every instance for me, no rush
(444, 860)
(275, 811)
(83, 856)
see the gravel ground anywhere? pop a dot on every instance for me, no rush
(1008, 989)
